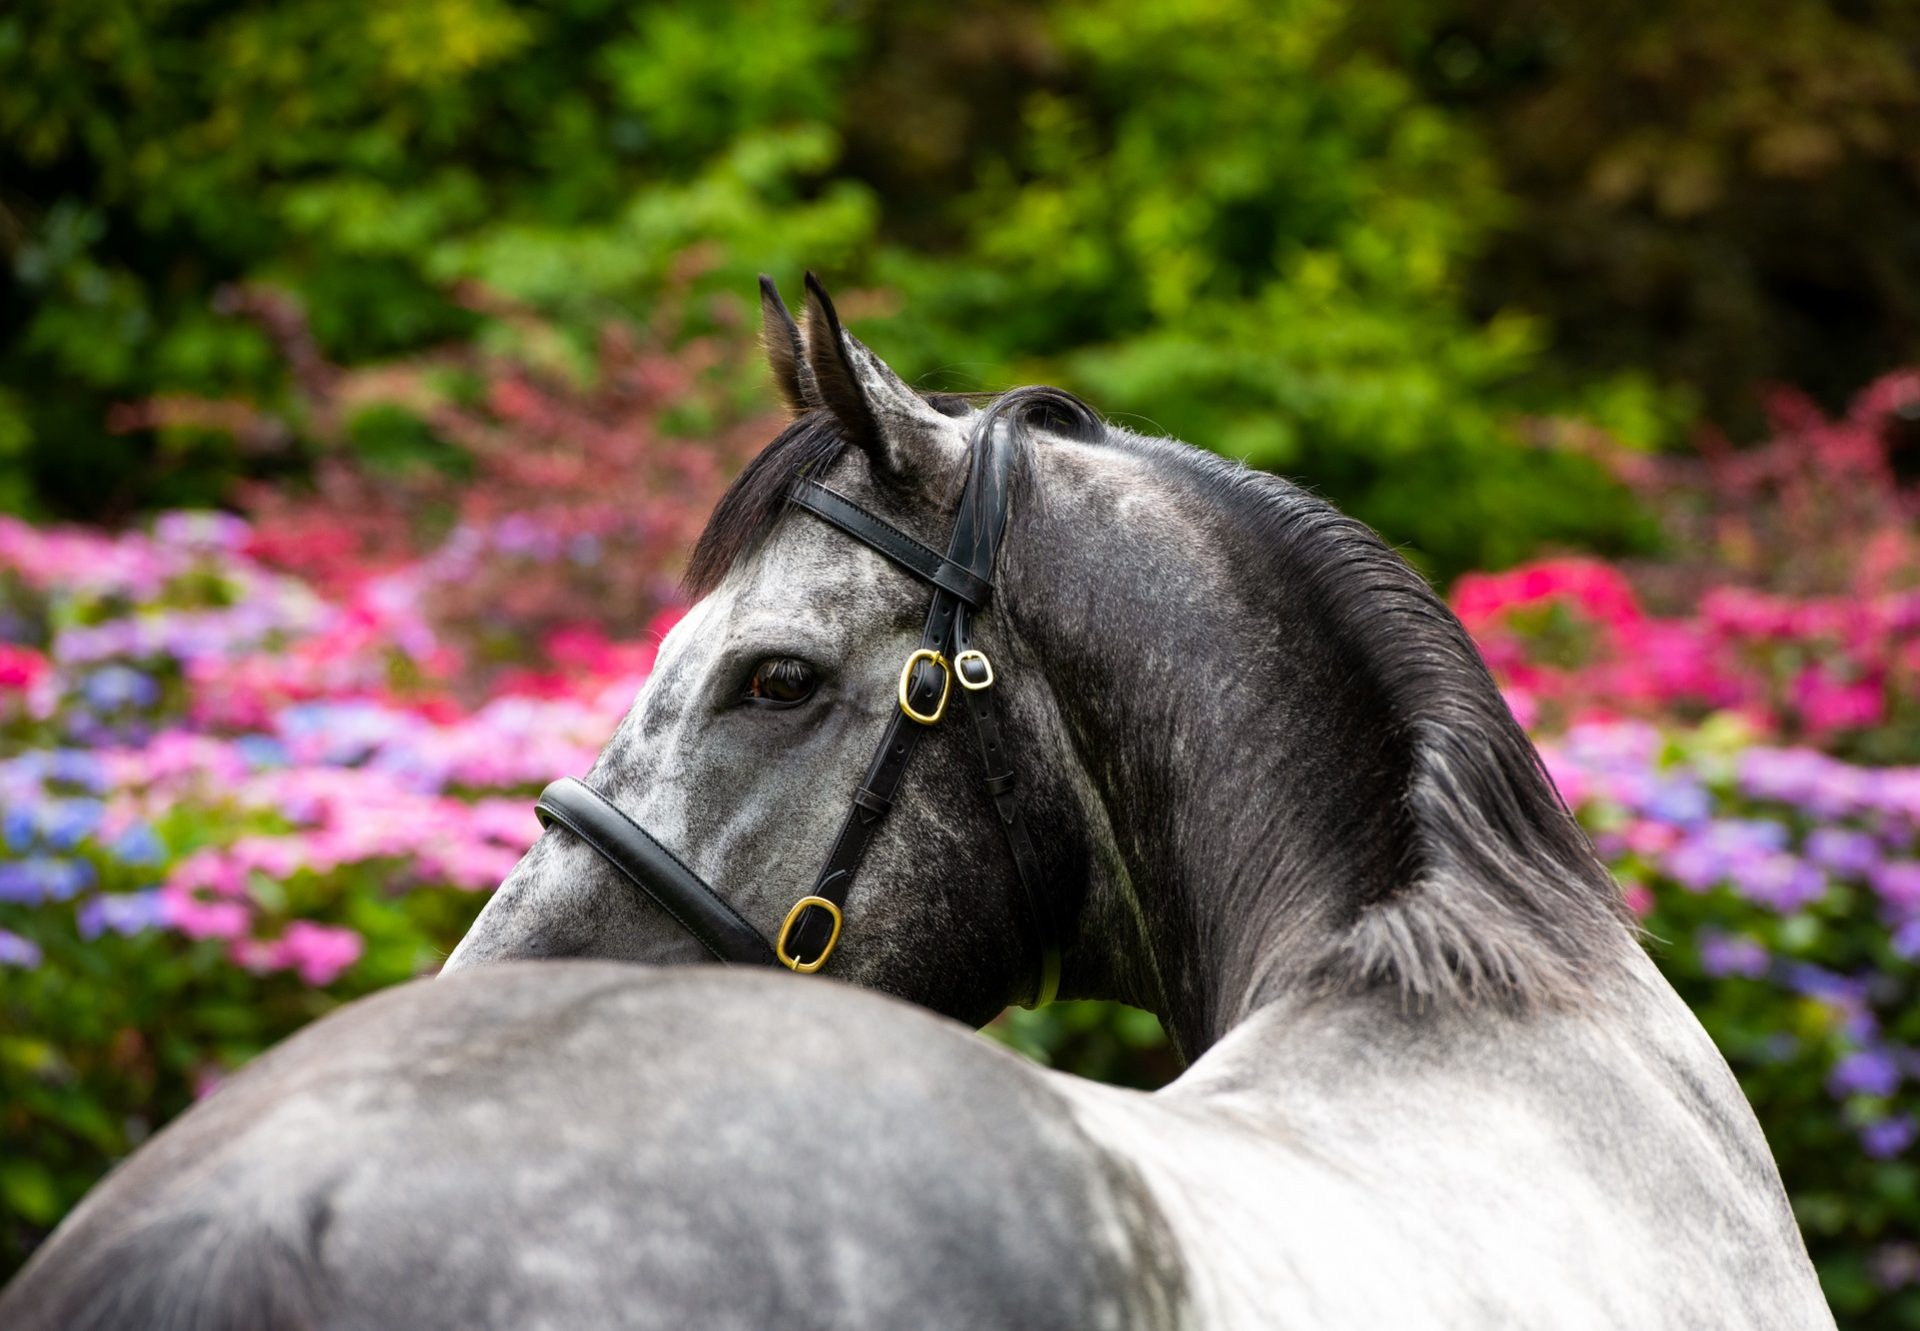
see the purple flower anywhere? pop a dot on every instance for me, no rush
(1898, 882)
(1678, 801)
(1845, 994)
(18, 951)
(1843, 850)
(1736, 848)
(1780, 881)
(1906, 940)
(1865, 1072)
(1890, 1136)
(1727, 954)
(123, 913)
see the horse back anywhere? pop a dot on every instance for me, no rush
(586, 1144)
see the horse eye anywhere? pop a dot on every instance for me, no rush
(780, 681)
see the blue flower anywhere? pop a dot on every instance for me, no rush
(262, 751)
(21, 825)
(140, 844)
(115, 686)
(64, 824)
(39, 878)
(122, 912)
(76, 767)
(1678, 801)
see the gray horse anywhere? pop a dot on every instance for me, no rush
(1435, 1081)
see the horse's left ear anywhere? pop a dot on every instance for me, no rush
(894, 426)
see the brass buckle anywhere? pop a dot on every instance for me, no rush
(792, 962)
(946, 687)
(960, 669)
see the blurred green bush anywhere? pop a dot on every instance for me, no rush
(1297, 237)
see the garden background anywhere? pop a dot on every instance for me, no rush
(367, 369)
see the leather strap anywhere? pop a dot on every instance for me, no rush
(653, 869)
(975, 541)
(874, 798)
(875, 532)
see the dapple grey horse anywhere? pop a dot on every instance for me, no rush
(1434, 1080)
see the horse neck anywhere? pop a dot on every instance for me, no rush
(1311, 784)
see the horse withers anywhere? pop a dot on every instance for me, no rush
(1275, 798)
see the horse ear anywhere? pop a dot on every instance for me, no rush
(893, 425)
(786, 354)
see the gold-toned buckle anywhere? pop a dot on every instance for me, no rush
(946, 686)
(960, 669)
(792, 962)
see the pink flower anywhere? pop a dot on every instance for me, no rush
(20, 667)
(319, 952)
(1826, 703)
(197, 918)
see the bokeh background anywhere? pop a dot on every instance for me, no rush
(366, 370)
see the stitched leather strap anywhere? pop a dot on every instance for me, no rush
(653, 869)
(875, 532)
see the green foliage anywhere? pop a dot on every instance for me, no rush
(1721, 193)
(1216, 213)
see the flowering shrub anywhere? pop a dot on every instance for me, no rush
(1794, 602)
(1777, 874)
(1780, 890)
(221, 816)
(250, 769)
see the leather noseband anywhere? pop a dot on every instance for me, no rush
(962, 583)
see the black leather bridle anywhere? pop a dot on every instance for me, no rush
(962, 582)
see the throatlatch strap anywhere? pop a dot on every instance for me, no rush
(654, 869)
(1002, 787)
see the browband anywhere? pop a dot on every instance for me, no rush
(878, 534)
